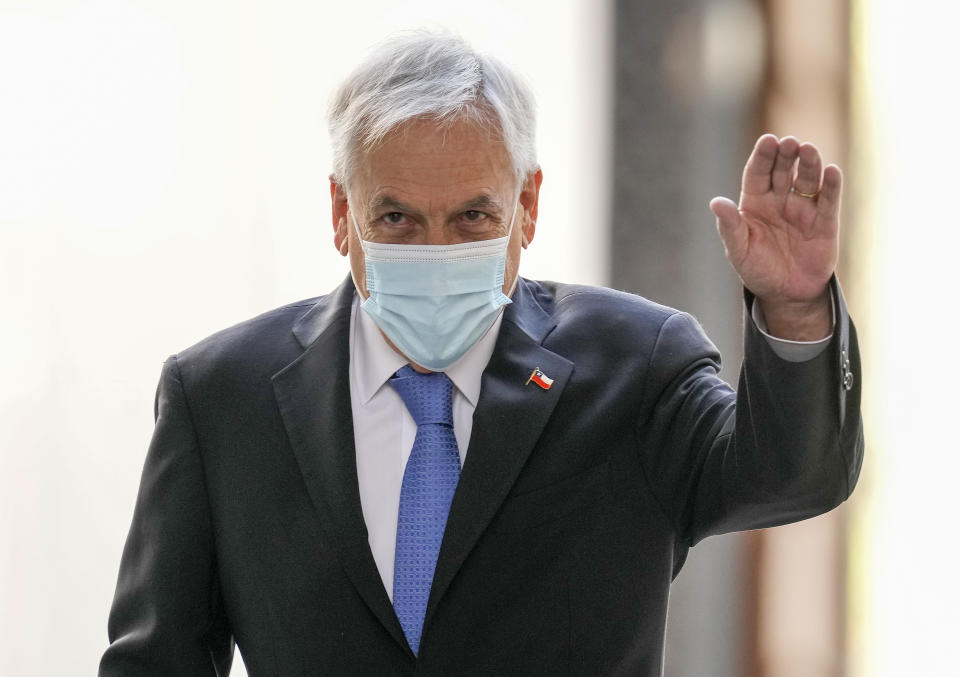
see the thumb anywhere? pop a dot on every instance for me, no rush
(732, 229)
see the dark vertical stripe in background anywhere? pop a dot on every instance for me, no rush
(685, 117)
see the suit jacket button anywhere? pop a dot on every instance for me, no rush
(848, 380)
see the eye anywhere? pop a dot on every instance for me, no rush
(473, 216)
(393, 218)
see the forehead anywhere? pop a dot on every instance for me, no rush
(428, 162)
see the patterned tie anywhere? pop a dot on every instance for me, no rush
(429, 481)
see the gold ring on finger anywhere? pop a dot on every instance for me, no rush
(809, 196)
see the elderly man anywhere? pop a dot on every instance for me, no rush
(441, 468)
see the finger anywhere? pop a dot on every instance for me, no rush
(809, 170)
(784, 166)
(756, 173)
(733, 231)
(828, 203)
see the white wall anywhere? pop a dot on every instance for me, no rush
(905, 592)
(163, 174)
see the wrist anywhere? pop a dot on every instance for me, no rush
(793, 320)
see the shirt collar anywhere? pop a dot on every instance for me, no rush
(375, 361)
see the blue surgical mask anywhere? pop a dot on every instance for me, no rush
(434, 302)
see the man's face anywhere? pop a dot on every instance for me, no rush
(426, 184)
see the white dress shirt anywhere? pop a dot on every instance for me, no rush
(384, 431)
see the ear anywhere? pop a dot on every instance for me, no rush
(530, 201)
(340, 207)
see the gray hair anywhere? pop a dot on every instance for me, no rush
(430, 74)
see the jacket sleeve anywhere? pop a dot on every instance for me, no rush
(166, 617)
(786, 446)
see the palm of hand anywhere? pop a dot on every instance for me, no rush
(782, 244)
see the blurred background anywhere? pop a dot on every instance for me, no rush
(163, 174)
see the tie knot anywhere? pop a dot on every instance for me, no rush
(428, 397)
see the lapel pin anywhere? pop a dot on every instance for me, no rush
(540, 379)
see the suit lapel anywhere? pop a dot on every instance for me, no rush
(508, 420)
(313, 394)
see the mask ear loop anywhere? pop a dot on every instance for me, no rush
(353, 276)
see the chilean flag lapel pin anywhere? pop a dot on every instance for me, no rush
(540, 379)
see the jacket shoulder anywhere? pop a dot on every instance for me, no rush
(603, 308)
(262, 343)
(614, 329)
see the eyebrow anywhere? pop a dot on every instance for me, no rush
(480, 202)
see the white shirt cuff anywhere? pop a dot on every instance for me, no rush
(793, 351)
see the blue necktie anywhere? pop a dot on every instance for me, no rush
(429, 481)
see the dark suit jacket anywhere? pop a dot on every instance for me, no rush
(575, 508)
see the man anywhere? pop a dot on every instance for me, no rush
(441, 468)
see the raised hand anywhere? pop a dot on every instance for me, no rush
(783, 237)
